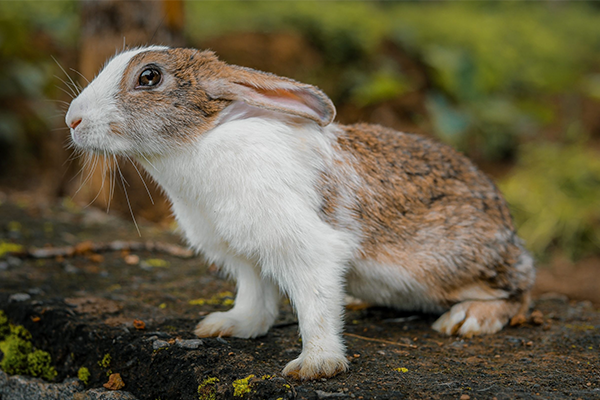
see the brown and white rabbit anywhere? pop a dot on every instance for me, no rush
(264, 184)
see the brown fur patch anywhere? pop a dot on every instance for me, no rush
(179, 108)
(427, 209)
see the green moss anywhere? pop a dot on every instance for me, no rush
(241, 386)
(19, 355)
(207, 390)
(84, 375)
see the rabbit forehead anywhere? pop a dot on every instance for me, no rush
(107, 81)
(187, 65)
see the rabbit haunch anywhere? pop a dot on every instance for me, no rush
(264, 185)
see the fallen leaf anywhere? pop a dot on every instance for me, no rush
(139, 324)
(114, 382)
(84, 247)
(97, 258)
(518, 320)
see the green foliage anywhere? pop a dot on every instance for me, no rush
(487, 62)
(378, 87)
(19, 355)
(554, 193)
(83, 374)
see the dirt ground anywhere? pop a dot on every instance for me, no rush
(82, 307)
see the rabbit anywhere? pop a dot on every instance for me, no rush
(265, 185)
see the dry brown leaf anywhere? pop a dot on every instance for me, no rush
(84, 247)
(518, 320)
(537, 317)
(114, 382)
(139, 324)
(97, 258)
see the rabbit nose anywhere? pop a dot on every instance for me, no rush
(75, 123)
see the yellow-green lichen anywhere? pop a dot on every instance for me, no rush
(241, 386)
(223, 298)
(105, 362)
(207, 390)
(4, 326)
(19, 355)
(84, 375)
(7, 247)
(39, 365)
(401, 369)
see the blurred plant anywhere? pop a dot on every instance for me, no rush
(487, 62)
(28, 32)
(490, 60)
(554, 193)
(384, 84)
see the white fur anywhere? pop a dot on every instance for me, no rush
(390, 285)
(245, 195)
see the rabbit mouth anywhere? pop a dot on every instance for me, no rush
(97, 140)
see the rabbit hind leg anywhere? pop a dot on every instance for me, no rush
(480, 317)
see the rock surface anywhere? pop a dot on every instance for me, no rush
(86, 319)
(27, 388)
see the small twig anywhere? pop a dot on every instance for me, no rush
(486, 389)
(90, 247)
(412, 346)
(402, 319)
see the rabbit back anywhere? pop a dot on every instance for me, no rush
(434, 229)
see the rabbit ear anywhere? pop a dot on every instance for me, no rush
(272, 92)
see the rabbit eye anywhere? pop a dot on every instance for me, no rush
(149, 77)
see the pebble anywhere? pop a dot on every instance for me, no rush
(160, 344)
(221, 340)
(159, 334)
(327, 395)
(189, 343)
(70, 269)
(14, 261)
(465, 397)
(19, 297)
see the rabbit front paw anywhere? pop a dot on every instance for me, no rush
(315, 365)
(232, 323)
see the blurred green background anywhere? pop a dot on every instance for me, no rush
(514, 85)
